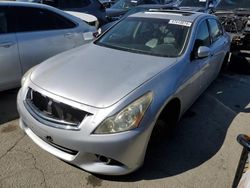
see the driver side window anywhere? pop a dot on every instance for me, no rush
(202, 37)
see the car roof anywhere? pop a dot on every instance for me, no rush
(24, 4)
(170, 14)
(38, 5)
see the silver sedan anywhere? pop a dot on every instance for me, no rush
(96, 106)
(31, 33)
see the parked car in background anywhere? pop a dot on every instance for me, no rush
(139, 8)
(108, 3)
(31, 33)
(235, 17)
(98, 111)
(117, 10)
(88, 18)
(93, 7)
(206, 6)
(233, 14)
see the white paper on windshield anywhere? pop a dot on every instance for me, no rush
(202, 1)
(179, 22)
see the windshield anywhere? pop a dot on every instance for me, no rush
(233, 4)
(159, 37)
(193, 3)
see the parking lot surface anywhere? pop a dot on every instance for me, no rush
(201, 152)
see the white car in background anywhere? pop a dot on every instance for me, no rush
(31, 33)
(88, 18)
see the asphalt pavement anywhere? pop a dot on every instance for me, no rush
(202, 152)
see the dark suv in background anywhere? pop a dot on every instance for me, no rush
(206, 6)
(121, 7)
(93, 7)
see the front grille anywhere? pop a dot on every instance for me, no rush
(53, 111)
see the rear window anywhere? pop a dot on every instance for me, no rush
(3, 21)
(42, 19)
(66, 4)
(6, 21)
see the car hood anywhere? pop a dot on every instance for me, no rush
(97, 76)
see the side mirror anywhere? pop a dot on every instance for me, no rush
(88, 36)
(203, 52)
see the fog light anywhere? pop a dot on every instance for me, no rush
(103, 159)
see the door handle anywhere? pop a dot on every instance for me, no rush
(69, 35)
(6, 44)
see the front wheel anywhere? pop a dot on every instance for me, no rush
(226, 62)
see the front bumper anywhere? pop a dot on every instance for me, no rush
(126, 150)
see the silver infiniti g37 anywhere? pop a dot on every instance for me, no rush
(96, 106)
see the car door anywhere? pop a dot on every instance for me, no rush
(218, 47)
(210, 66)
(203, 39)
(10, 70)
(41, 34)
(195, 68)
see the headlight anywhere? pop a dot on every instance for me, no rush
(127, 119)
(26, 76)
